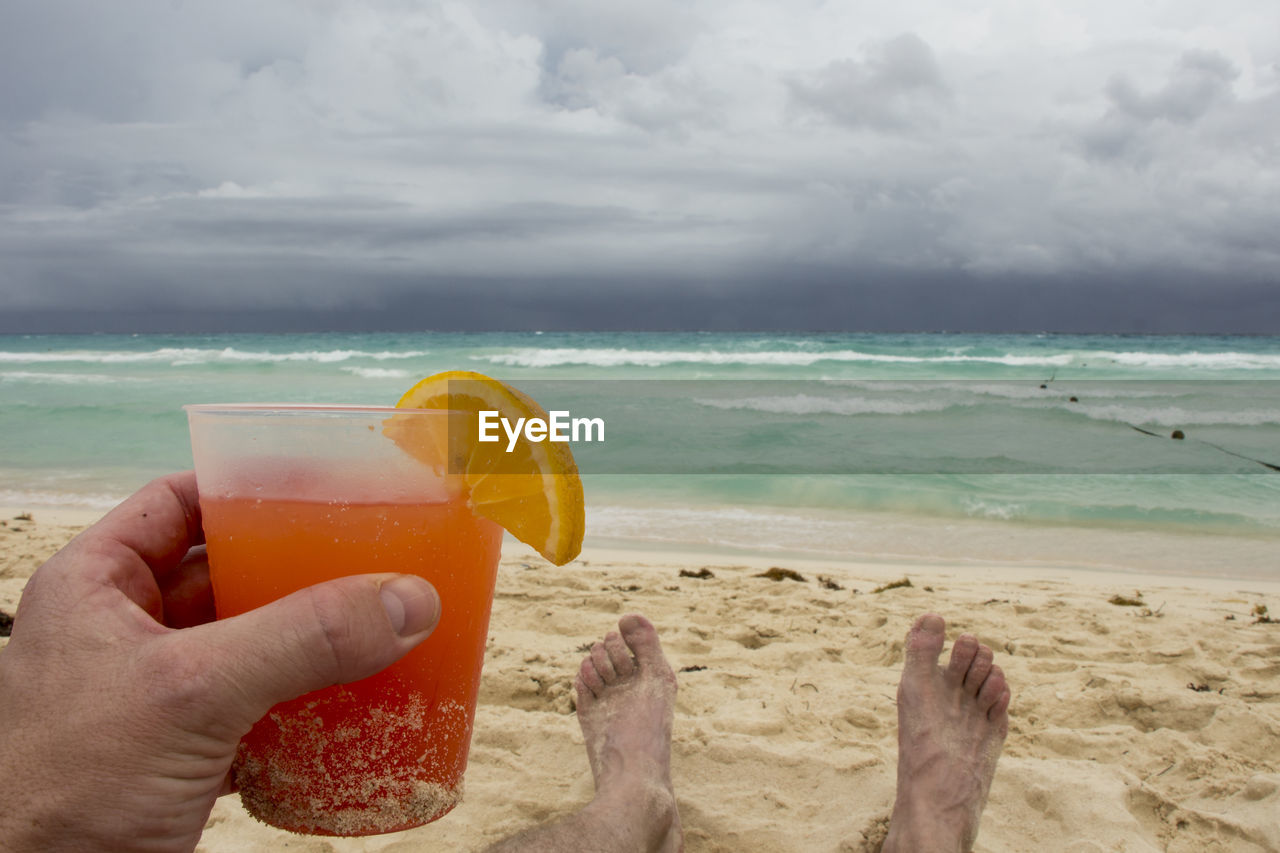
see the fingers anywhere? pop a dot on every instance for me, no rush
(159, 523)
(331, 633)
(136, 544)
(185, 593)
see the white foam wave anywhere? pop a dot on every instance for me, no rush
(193, 355)
(65, 378)
(77, 500)
(775, 358)
(1177, 416)
(1026, 391)
(976, 508)
(808, 404)
(376, 372)
(1020, 390)
(1211, 360)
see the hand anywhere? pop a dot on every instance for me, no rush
(121, 701)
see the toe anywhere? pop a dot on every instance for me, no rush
(600, 657)
(619, 654)
(584, 695)
(642, 638)
(924, 643)
(590, 678)
(992, 689)
(978, 670)
(999, 711)
(962, 655)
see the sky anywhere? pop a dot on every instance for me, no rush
(593, 164)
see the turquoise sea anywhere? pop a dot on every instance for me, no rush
(819, 444)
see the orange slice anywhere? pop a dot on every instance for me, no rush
(534, 491)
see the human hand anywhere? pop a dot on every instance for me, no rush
(121, 701)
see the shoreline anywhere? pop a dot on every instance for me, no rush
(1152, 556)
(1148, 556)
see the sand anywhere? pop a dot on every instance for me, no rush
(1133, 728)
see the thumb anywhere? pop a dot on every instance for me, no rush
(331, 633)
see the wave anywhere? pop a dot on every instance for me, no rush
(1021, 390)
(66, 378)
(624, 357)
(777, 358)
(920, 403)
(376, 372)
(808, 404)
(76, 500)
(1213, 360)
(190, 355)
(1176, 416)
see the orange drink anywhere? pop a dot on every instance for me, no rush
(292, 496)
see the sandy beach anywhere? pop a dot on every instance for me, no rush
(1144, 727)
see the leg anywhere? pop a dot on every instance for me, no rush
(626, 701)
(951, 726)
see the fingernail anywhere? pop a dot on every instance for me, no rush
(411, 603)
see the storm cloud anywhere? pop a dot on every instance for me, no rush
(574, 164)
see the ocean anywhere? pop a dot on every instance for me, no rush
(876, 446)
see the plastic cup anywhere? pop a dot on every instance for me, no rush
(295, 495)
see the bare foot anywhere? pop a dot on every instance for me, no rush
(952, 724)
(626, 701)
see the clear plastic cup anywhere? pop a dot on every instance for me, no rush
(295, 495)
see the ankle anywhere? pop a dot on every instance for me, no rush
(919, 829)
(644, 812)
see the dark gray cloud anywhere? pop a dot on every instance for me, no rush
(607, 163)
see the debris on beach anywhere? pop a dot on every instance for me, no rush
(1177, 434)
(1122, 601)
(828, 583)
(780, 574)
(6, 624)
(694, 668)
(1204, 688)
(905, 583)
(701, 574)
